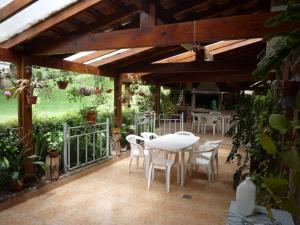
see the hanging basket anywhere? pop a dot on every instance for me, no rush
(109, 90)
(91, 117)
(97, 90)
(31, 100)
(62, 84)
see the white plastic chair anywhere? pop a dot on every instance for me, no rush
(195, 121)
(216, 121)
(149, 135)
(160, 160)
(198, 159)
(216, 152)
(185, 133)
(136, 149)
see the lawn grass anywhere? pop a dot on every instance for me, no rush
(56, 106)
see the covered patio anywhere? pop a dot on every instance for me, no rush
(179, 45)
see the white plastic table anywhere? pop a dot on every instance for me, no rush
(174, 143)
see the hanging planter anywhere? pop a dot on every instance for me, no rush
(109, 90)
(142, 94)
(31, 100)
(62, 84)
(288, 88)
(85, 91)
(91, 117)
(97, 90)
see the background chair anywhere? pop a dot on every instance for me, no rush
(136, 149)
(198, 159)
(216, 152)
(195, 122)
(149, 135)
(160, 160)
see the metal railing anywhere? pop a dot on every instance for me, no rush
(85, 144)
(170, 124)
(145, 122)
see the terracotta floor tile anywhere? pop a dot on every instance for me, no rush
(110, 196)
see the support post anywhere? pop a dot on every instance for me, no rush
(117, 101)
(25, 117)
(149, 19)
(157, 100)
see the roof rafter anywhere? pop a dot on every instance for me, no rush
(14, 7)
(46, 24)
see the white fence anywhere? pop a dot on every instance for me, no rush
(145, 122)
(85, 144)
(171, 123)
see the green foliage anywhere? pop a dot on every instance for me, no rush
(55, 140)
(169, 101)
(268, 144)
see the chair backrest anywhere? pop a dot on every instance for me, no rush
(215, 113)
(194, 116)
(134, 145)
(158, 157)
(200, 149)
(149, 135)
(185, 133)
(218, 142)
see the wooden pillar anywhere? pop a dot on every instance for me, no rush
(25, 117)
(149, 19)
(157, 100)
(117, 102)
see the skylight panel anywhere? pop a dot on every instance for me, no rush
(78, 55)
(4, 3)
(107, 55)
(30, 16)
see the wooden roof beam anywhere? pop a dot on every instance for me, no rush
(191, 67)
(225, 28)
(13, 8)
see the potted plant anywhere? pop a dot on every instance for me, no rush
(29, 86)
(98, 90)
(90, 113)
(109, 90)
(131, 129)
(55, 141)
(12, 159)
(63, 82)
(85, 91)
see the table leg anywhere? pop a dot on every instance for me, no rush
(223, 126)
(182, 167)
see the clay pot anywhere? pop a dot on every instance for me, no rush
(91, 117)
(53, 153)
(18, 185)
(31, 100)
(108, 90)
(62, 84)
(97, 90)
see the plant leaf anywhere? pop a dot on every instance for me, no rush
(291, 159)
(268, 144)
(279, 122)
(291, 206)
(296, 124)
(277, 185)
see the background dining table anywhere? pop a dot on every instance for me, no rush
(174, 143)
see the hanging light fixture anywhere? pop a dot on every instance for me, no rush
(196, 45)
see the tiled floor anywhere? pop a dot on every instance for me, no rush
(111, 196)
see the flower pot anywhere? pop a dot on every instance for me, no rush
(91, 117)
(53, 153)
(97, 90)
(62, 84)
(17, 185)
(108, 90)
(130, 131)
(31, 100)
(288, 88)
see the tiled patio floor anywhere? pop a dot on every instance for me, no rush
(111, 196)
